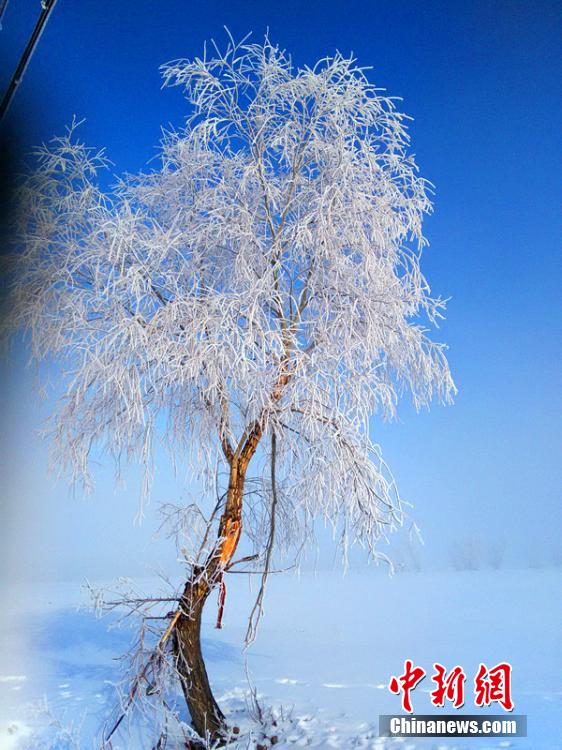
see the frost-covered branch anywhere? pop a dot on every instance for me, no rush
(265, 277)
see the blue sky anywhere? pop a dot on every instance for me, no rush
(482, 81)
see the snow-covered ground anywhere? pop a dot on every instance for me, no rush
(326, 649)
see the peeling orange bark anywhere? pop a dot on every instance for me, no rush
(231, 534)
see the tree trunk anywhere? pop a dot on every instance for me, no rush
(206, 717)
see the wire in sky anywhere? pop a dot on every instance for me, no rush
(46, 8)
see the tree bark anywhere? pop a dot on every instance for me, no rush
(206, 716)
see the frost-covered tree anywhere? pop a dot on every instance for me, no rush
(256, 298)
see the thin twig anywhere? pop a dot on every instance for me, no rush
(257, 609)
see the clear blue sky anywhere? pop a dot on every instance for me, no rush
(482, 80)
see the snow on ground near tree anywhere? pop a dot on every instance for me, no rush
(327, 647)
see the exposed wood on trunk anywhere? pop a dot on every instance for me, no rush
(206, 716)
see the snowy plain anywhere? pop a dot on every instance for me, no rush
(326, 649)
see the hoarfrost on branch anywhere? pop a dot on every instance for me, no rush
(266, 273)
